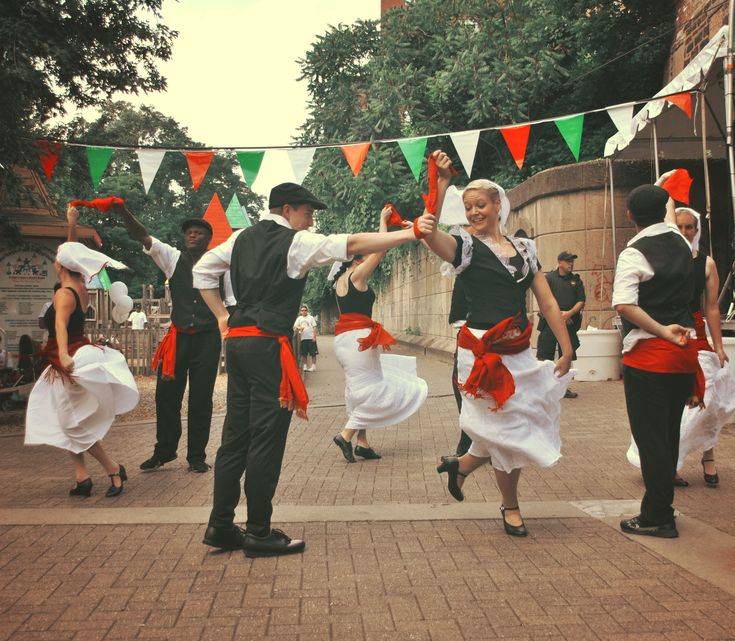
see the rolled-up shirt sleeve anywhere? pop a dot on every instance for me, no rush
(309, 250)
(164, 255)
(632, 270)
(210, 267)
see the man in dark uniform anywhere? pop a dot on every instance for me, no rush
(190, 350)
(567, 288)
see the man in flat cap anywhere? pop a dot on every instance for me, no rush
(568, 289)
(269, 263)
(654, 282)
(191, 349)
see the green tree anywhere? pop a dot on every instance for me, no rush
(171, 198)
(452, 65)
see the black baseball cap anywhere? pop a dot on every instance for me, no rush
(196, 222)
(293, 194)
(565, 255)
(648, 202)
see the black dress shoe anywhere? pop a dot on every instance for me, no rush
(450, 465)
(276, 543)
(680, 482)
(199, 467)
(367, 452)
(156, 461)
(637, 526)
(82, 488)
(570, 394)
(711, 480)
(116, 490)
(513, 530)
(346, 448)
(232, 538)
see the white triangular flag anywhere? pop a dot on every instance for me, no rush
(622, 117)
(465, 143)
(301, 158)
(452, 212)
(149, 161)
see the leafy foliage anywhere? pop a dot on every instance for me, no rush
(451, 65)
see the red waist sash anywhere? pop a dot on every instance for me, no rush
(659, 355)
(51, 352)
(489, 377)
(293, 393)
(166, 352)
(378, 335)
(700, 343)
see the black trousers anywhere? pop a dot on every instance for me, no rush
(464, 440)
(254, 434)
(547, 346)
(197, 358)
(655, 404)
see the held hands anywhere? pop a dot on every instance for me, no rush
(443, 166)
(426, 224)
(675, 334)
(664, 177)
(561, 367)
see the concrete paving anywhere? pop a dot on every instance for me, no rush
(389, 554)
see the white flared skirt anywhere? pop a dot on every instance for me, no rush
(74, 416)
(700, 426)
(526, 429)
(380, 389)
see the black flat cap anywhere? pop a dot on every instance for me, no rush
(196, 222)
(648, 201)
(565, 255)
(293, 194)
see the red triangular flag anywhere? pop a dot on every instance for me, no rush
(678, 185)
(49, 153)
(517, 140)
(683, 101)
(355, 155)
(216, 216)
(199, 162)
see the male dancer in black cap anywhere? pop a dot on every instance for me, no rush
(190, 349)
(269, 263)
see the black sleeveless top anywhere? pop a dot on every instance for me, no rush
(700, 280)
(355, 301)
(76, 320)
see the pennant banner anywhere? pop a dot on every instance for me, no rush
(236, 216)
(301, 158)
(517, 140)
(466, 145)
(99, 158)
(622, 118)
(215, 216)
(355, 155)
(48, 153)
(149, 160)
(199, 162)
(571, 130)
(250, 162)
(683, 101)
(413, 150)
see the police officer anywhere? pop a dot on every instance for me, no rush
(568, 289)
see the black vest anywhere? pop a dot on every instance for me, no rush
(458, 306)
(266, 296)
(666, 297)
(188, 306)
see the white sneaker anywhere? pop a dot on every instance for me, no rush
(306, 369)
(312, 368)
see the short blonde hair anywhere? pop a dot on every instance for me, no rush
(483, 184)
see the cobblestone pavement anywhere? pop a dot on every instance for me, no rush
(389, 555)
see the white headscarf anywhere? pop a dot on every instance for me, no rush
(698, 218)
(80, 258)
(333, 272)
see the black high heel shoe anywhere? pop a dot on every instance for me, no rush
(513, 530)
(114, 490)
(82, 488)
(711, 480)
(450, 465)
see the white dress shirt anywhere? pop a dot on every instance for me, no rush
(307, 250)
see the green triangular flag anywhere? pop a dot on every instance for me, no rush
(414, 149)
(104, 279)
(99, 158)
(235, 214)
(571, 131)
(250, 162)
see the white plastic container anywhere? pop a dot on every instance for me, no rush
(599, 356)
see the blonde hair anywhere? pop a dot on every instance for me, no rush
(483, 184)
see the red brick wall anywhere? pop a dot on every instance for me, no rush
(696, 22)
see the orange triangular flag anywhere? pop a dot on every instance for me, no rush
(199, 162)
(683, 101)
(355, 155)
(48, 152)
(678, 185)
(517, 140)
(216, 216)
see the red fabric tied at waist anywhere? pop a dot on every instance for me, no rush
(661, 356)
(378, 335)
(103, 204)
(51, 352)
(293, 393)
(701, 343)
(489, 377)
(166, 352)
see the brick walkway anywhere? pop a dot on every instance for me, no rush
(135, 567)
